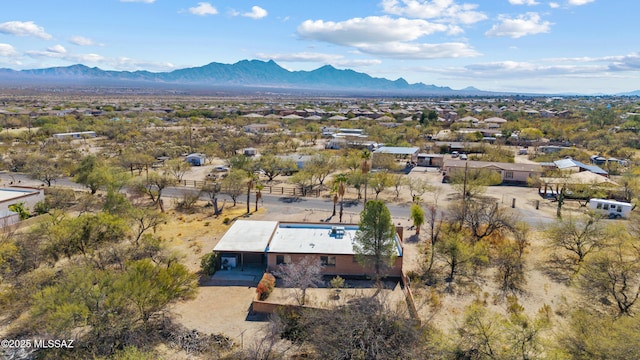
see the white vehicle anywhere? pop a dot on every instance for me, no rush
(611, 208)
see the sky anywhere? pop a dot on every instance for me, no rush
(539, 46)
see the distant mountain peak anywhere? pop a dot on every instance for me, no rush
(244, 73)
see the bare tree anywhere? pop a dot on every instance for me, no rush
(484, 219)
(307, 273)
(577, 237)
(614, 274)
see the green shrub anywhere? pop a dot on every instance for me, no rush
(20, 209)
(210, 263)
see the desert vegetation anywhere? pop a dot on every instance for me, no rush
(93, 266)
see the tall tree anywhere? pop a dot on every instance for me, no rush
(374, 243)
(177, 168)
(153, 185)
(233, 185)
(380, 181)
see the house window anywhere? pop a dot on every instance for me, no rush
(606, 206)
(508, 175)
(619, 208)
(283, 259)
(599, 206)
(328, 260)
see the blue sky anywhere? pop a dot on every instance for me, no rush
(585, 46)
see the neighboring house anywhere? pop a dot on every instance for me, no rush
(550, 149)
(571, 165)
(495, 120)
(262, 128)
(430, 160)
(510, 173)
(75, 135)
(408, 153)
(300, 160)
(13, 195)
(267, 244)
(250, 152)
(196, 159)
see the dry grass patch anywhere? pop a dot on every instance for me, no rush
(193, 235)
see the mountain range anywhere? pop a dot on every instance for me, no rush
(250, 75)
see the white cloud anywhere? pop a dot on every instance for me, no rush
(385, 36)
(58, 49)
(554, 5)
(24, 28)
(526, 24)
(256, 13)
(404, 50)
(440, 10)
(580, 2)
(203, 9)
(7, 50)
(81, 41)
(140, 1)
(373, 29)
(121, 63)
(523, 2)
(630, 62)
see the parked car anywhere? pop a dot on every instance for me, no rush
(220, 168)
(463, 157)
(455, 154)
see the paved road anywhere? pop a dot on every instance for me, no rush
(280, 204)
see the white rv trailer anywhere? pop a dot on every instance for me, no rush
(611, 208)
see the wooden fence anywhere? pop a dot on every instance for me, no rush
(411, 304)
(268, 189)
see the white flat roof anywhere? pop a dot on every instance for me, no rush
(397, 150)
(247, 236)
(289, 238)
(10, 194)
(302, 238)
(312, 239)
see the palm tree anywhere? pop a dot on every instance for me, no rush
(259, 188)
(365, 167)
(342, 189)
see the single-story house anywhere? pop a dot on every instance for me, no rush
(409, 153)
(550, 149)
(495, 120)
(75, 135)
(511, 173)
(196, 159)
(454, 146)
(250, 151)
(17, 194)
(267, 244)
(571, 165)
(430, 160)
